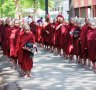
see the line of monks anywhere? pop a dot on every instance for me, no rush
(13, 42)
(71, 38)
(56, 36)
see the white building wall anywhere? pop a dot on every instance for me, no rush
(65, 5)
(65, 8)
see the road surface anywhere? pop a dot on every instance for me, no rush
(50, 72)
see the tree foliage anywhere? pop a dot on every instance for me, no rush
(10, 7)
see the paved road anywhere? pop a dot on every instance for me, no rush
(51, 72)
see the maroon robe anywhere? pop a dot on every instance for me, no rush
(23, 55)
(53, 34)
(83, 38)
(38, 34)
(42, 35)
(58, 36)
(8, 33)
(1, 27)
(91, 41)
(65, 38)
(33, 27)
(13, 41)
(73, 47)
(2, 36)
(5, 31)
(48, 37)
(70, 45)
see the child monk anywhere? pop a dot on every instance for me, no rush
(23, 53)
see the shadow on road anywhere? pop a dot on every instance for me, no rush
(54, 73)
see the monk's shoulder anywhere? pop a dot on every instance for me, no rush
(31, 34)
(21, 32)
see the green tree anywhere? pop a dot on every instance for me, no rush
(13, 7)
(50, 4)
(8, 8)
(36, 4)
(22, 4)
(1, 11)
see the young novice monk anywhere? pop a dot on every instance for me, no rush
(24, 55)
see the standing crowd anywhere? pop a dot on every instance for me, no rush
(16, 43)
(58, 36)
(70, 39)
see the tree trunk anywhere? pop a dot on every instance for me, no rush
(46, 8)
(16, 8)
(34, 10)
(71, 9)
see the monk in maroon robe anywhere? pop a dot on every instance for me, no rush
(45, 37)
(52, 43)
(23, 53)
(13, 41)
(45, 33)
(64, 38)
(38, 32)
(8, 33)
(67, 39)
(91, 41)
(70, 45)
(49, 34)
(77, 43)
(73, 42)
(84, 46)
(1, 34)
(58, 33)
(42, 36)
(4, 32)
(33, 27)
(0, 29)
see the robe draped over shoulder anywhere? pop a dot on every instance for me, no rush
(13, 41)
(23, 55)
(91, 41)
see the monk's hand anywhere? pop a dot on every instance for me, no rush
(59, 26)
(53, 26)
(26, 48)
(47, 32)
(35, 47)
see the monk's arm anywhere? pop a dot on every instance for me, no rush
(58, 26)
(17, 44)
(32, 39)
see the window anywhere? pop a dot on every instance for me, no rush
(77, 12)
(83, 12)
